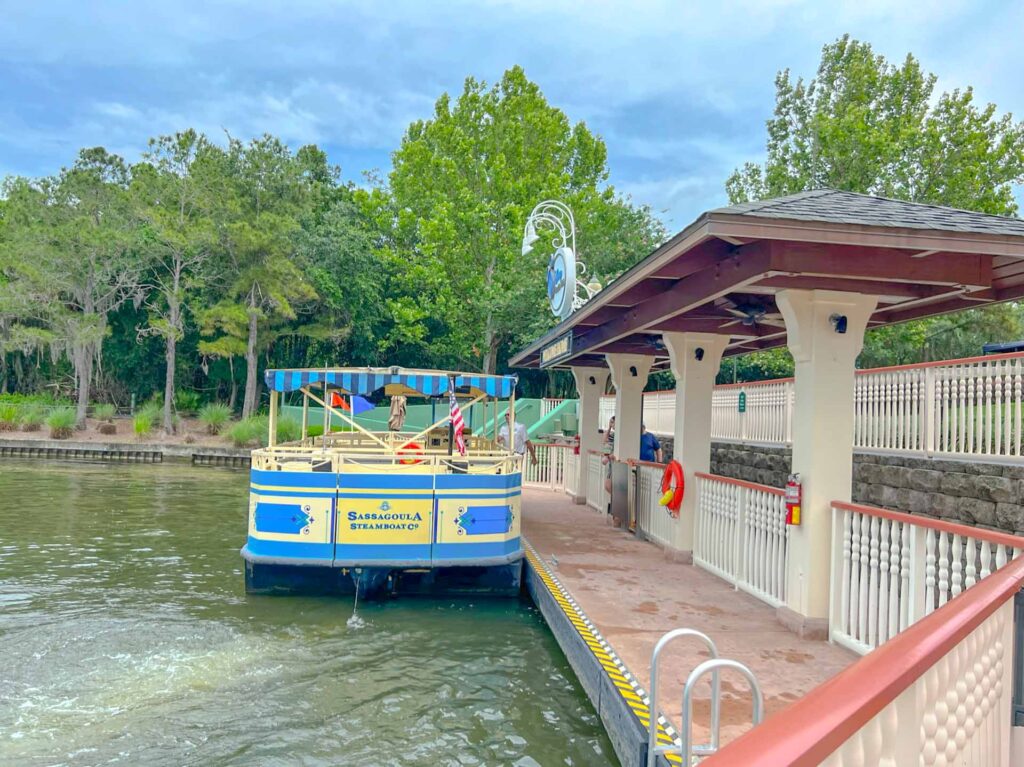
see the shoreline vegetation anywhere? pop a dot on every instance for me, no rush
(185, 272)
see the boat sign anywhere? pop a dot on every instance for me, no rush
(557, 350)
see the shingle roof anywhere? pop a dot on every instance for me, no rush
(833, 206)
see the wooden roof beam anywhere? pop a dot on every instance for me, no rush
(897, 290)
(803, 259)
(746, 265)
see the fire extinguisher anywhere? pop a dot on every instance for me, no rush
(794, 499)
(576, 445)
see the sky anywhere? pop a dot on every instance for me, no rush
(679, 91)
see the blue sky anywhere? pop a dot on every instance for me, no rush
(678, 90)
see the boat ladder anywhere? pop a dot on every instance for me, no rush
(687, 751)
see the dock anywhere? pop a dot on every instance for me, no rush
(633, 594)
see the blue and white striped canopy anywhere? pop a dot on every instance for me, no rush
(363, 381)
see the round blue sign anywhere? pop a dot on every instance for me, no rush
(561, 281)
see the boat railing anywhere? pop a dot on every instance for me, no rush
(317, 459)
(396, 441)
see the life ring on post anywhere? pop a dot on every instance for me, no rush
(410, 449)
(673, 486)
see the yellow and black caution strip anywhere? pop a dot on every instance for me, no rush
(622, 680)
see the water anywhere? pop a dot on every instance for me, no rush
(126, 638)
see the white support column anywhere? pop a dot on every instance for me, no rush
(822, 436)
(696, 358)
(590, 386)
(629, 375)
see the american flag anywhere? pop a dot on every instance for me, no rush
(458, 425)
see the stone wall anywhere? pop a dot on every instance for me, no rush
(971, 492)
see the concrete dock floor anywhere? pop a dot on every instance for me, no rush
(633, 594)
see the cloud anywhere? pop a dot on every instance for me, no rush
(679, 90)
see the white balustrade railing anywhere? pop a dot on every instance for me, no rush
(891, 569)
(550, 470)
(653, 521)
(605, 411)
(757, 412)
(970, 407)
(741, 535)
(939, 693)
(572, 472)
(548, 404)
(597, 496)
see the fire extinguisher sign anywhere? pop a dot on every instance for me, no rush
(793, 498)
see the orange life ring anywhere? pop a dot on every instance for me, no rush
(413, 448)
(673, 486)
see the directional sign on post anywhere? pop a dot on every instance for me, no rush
(289, 518)
(743, 402)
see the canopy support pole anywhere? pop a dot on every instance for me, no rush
(272, 437)
(305, 415)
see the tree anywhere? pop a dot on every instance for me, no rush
(73, 259)
(461, 186)
(338, 250)
(866, 125)
(172, 189)
(258, 222)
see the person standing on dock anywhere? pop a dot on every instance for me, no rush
(521, 443)
(650, 448)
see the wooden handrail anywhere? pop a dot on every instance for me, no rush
(755, 383)
(945, 363)
(981, 534)
(652, 464)
(811, 729)
(740, 483)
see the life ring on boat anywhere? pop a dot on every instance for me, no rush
(673, 486)
(409, 449)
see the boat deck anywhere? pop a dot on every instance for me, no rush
(633, 595)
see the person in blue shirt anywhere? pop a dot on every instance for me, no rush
(650, 448)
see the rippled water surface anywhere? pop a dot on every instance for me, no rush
(126, 638)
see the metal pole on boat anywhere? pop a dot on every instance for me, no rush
(327, 416)
(512, 423)
(451, 424)
(272, 437)
(305, 414)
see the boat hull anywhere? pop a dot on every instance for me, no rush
(400, 530)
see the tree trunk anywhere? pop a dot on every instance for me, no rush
(234, 385)
(83, 368)
(251, 366)
(491, 352)
(169, 356)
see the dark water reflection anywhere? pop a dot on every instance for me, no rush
(126, 638)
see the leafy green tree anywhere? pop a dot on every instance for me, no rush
(339, 251)
(72, 255)
(461, 187)
(866, 125)
(173, 191)
(258, 222)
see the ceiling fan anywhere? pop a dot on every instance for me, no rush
(751, 314)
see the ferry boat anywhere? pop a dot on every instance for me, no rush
(373, 512)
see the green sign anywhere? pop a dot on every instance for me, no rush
(743, 402)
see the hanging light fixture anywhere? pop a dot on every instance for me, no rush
(530, 236)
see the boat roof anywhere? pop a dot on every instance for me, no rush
(395, 380)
